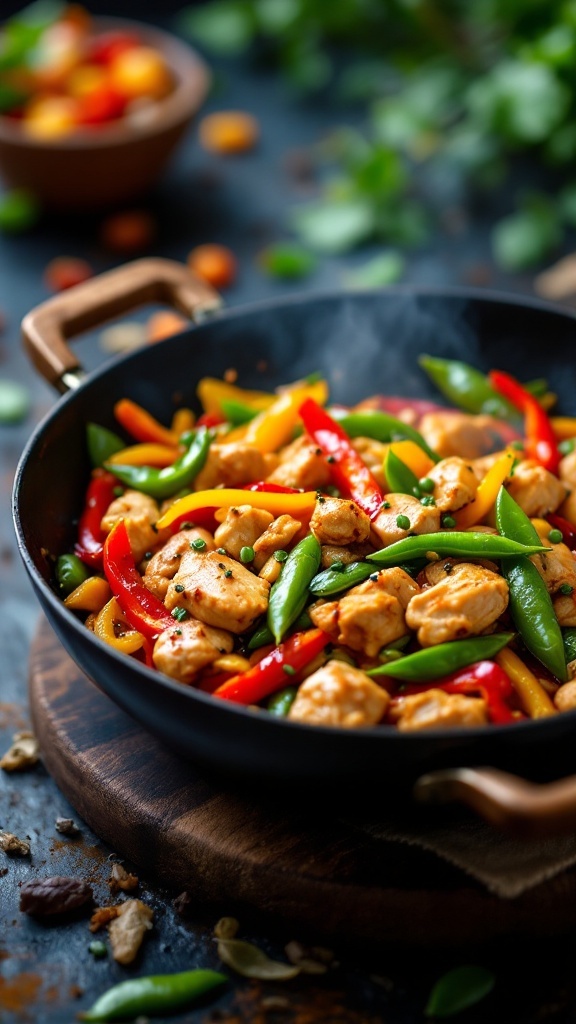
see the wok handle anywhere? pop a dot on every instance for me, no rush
(47, 328)
(513, 804)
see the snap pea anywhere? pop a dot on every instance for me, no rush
(237, 413)
(102, 443)
(470, 544)
(263, 635)
(152, 995)
(289, 594)
(329, 582)
(530, 603)
(163, 483)
(569, 640)
(467, 387)
(281, 702)
(382, 427)
(399, 476)
(434, 662)
(70, 573)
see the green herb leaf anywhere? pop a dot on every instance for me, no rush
(334, 227)
(458, 989)
(19, 210)
(384, 269)
(225, 27)
(251, 962)
(525, 238)
(14, 402)
(285, 260)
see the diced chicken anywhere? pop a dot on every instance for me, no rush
(437, 571)
(232, 465)
(537, 491)
(565, 696)
(565, 609)
(567, 470)
(458, 433)
(421, 518)
(164, 565)
(455, 484)
(218, 590)
(556, 568)
(276, 537)
(435, 709)
(369, 616)
(302, 464)
(568, 508)
(352, 553)
(372, 454)
(183, 650)
(339, 521)
(241, 528)
(467, 602)
(139, 513)
(338, 694)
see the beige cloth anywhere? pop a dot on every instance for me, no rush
(506, 866)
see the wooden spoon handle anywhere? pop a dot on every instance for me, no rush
(47, 328)
(513, 804)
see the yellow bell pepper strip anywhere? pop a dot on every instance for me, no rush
(104, 627)
(90, 596)
(146, 455)
(532, 695)
(212, 392)
(564, 427)
(486, 494)
(141, 424)
(274, 427)
(412, 456)
(299, 505)
(183, 420)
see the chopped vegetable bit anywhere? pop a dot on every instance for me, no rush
(14, 402)
(228, 132)
(214, 264)
(65, 272)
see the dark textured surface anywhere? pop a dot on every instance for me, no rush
(46, 971)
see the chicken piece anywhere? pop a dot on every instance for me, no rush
(568, 508)
(338, 694)
(218, 590)
(459, 433)
(467, 602)
(339, 521)
(371, 615)
(565, 696)
(422, 518)
(556, 568)
(455, 484)
(184, 649)
(372, 454)
(565, 609)
(241, 528)
(276, 537)
(352, 553)
(435, 709)
(437, 571)
(567, 470)
(139, 513)
(231, 465)
(302, 464)
(164, 565)
(536, 490)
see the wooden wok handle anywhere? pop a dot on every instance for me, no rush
(513, 804)
(46, 329)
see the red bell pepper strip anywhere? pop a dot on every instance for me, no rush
(268, 675)
(99, 496)
(210, 419)
(141, 424)
(141, 607)
(483, 677)
(566, 529)
(349, 473)
(541, 443)
(265, 488)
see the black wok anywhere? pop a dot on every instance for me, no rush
(363, 343)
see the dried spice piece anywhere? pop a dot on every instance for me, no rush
(120, 879)
(183, 904)
(67, 827)
(23, 753)
(251, 962)
(310, 960)
(10, 844)
(44, 897)
(102, 916)
(226, 928)
(128, 929)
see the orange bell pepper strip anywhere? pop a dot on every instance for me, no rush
(149, 454)
(299, 505)
(141, 424)
(412, 455)
(212, 392)
(90, 596)
(129, 642)
(274, 427)
(183, 420)
(564, 427)
(487, 492)
(532, 695)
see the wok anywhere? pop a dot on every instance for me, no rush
(364, 343)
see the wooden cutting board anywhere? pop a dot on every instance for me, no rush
(156, 810)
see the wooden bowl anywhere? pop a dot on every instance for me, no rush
(120, 161)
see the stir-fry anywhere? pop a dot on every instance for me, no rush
(396, 563)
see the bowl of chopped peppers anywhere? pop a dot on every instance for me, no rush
(91, 109)
(313, 573)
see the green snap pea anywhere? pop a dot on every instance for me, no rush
(329, 582)
(237, 413)
(381, 426)
(569, 640)
(263, 635)
(435, 662)
(471, 545)
(399, 477)
(70, 573)
(289, 594)
(467, 387)
(102, 443)
(530, 603)
(152, 995)
(281, 702)
(163, 483)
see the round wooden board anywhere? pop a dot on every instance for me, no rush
(156, 810)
